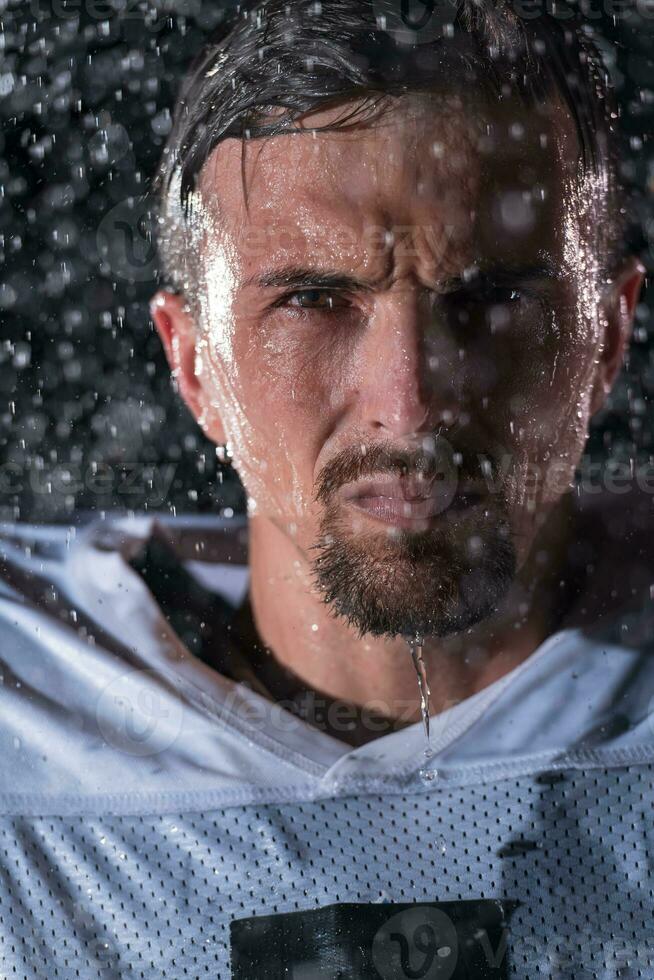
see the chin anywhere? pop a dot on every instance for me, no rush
(429, 582)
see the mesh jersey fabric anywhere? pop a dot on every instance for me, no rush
(152, 895)
(146, 801)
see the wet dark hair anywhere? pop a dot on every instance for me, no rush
(272, 62)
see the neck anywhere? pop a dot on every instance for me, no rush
(373, 677)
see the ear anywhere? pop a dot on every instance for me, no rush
(178, 332)
(618, 309)
(176, 329)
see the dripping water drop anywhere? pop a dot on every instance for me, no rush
(415, 644)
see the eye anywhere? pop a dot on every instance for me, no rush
(314, 299)
(484, 296)
(491, 304)
(500, 295)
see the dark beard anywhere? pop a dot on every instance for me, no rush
(415, 582)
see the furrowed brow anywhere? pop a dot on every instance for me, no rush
(298, 277)
(305, 277)
(506, 274)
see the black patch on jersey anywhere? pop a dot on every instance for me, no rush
(381, 941)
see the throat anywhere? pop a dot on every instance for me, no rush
(253, 663)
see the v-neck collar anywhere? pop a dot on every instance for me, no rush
(118, 598)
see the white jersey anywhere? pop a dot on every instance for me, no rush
(159, 820)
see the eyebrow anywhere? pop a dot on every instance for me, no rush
(299, 277)
(306, 277)
(504, 273)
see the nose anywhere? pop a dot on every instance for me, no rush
(410, 379)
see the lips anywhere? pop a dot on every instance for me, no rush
(409, 501)
(394, 510)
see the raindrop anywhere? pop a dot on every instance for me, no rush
(516, 212)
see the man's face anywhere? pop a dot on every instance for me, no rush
(400, 337)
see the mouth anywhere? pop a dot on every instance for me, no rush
(410, 503)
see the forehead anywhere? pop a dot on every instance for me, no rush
(478, 175)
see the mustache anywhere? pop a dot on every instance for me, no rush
(366, 460)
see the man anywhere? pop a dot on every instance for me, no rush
(397, 299)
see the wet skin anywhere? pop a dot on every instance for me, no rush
(431, 281)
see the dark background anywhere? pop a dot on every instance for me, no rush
(89, 420)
